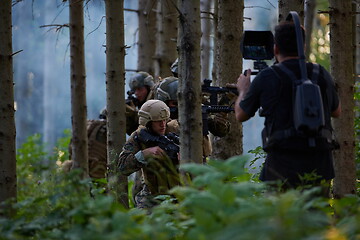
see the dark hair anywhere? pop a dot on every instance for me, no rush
(285, 38)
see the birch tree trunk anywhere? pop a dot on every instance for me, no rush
(7, 127)
(78, 87)
(205, 43)
(167, 30)
(229, 65)
(115, 92)
(308, 24)
(189, 89)
(341, 45)
(146, 39)
(285, 6)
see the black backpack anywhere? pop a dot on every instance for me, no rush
(308, 110)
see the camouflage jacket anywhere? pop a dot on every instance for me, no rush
(160, 174)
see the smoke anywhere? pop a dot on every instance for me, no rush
(42, 69)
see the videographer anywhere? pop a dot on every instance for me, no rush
(289, 156)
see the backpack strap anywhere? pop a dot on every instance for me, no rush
(289, 73)
(315, 73)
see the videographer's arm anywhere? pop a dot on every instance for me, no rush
(243, 84)
(337, 112)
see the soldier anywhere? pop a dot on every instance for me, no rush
(217, 123)
(97, 153)
(141, 84)
(148, 149)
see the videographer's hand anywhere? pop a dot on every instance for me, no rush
(243, 84)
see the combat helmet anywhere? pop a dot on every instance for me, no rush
(153, 110)
(103, 114)
(174, 68)
(167, 89)
(141, 79)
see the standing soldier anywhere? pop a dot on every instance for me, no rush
(141, 84)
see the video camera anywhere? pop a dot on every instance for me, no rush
(258, 46)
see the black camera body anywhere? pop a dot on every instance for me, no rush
(258, 46)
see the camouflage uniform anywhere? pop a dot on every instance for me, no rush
(97, 152)
(140, 79)
(159, 174)
(217, 123)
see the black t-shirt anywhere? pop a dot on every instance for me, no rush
(274, 96)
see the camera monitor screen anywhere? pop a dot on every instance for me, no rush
(257, 45)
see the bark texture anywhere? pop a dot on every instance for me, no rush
(8, 186)
(78, 87)
(342, 69)
(115, 92)
(285, 6)
(189, 90)
(228, 68)
(146, 37)
(310, 6)
(167, 30)
(207, 31)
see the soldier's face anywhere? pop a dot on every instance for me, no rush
(141, 93)
(159, 127)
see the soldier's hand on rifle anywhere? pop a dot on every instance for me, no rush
(153, 152)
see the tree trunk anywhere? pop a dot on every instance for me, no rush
(189, 90)
(166, 38)
(78, 87)
(115, 101)
(308, 24)
(229, 65)
(146, 38)
(7, 127)
(216, 20)
(342, 50)
(285, 6)
(206, 30)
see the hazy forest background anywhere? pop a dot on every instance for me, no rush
(42, 69)
(223, 200)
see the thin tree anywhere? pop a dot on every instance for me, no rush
(115, 92)
(228, 66)
(189, 90)
(146, 36)
(166, 36)
(7, 127)
(215, 24)
(78, 87)
(207, 31)
(285, 6)
(342, 69)
(308, 24)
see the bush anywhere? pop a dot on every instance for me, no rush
(221, 202)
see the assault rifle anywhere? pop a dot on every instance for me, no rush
(131, 98)
(215, 91)
(206, 109)
(169, 143)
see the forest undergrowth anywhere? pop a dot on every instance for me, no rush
(223, 201)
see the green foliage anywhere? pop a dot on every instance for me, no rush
(221, 202)
(357, 128)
